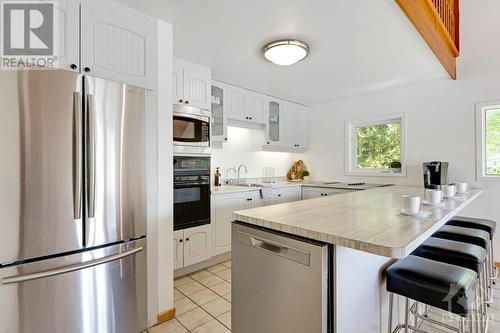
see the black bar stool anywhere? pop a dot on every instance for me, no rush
(472, 236)
(483, 224)
(460, 254)
(444, 286)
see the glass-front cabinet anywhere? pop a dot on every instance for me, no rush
(274, 122)
(220, 101)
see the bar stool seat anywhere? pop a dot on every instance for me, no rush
(466, 235)
(475, 223)
(452, 252)
(448, 287)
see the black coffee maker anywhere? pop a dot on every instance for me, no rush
(435, 174)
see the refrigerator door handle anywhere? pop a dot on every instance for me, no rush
(69, 268)
(91, 146)
(77, 156)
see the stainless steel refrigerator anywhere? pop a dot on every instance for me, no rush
(72, 204)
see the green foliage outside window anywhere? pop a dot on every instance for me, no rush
(378, 146)
(493, 142)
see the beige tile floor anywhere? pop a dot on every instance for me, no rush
(202, 303)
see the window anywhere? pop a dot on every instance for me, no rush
(376, 146)
(488, 140)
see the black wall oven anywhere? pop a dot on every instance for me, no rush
(191, 191)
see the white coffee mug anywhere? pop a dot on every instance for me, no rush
(433, 197)
(449, 191)
(462, 187)
(410, 204)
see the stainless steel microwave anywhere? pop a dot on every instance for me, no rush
(191, 130)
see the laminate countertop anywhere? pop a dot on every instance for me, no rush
(368, 221)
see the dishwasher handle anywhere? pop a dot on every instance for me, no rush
(298, 255)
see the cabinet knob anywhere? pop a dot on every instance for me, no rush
(250, 117)
(267, 142)
(326, 194)
(180, 240)
(180, 101)
(186, 102)
(246, 117)
(279, 195)
(73, 66)
(225, 139)
(187, 239)
(249, 199)
(87, 70)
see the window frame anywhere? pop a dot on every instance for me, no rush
(351, 145)
(481, 109)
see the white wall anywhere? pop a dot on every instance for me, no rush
(440, 115)
(242, 148)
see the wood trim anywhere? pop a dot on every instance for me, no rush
(424, 17)
(165, 316)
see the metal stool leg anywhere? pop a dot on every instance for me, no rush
(389, 324)
(407, 313)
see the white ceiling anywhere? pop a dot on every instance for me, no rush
(357, 46)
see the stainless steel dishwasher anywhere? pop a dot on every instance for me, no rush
(280, 283)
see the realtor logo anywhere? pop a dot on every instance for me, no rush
(28, 35)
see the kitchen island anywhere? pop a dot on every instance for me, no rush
(365, 232)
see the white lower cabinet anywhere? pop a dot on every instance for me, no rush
(223, 206)
(311, 192)
(192, 245)
(288, 194)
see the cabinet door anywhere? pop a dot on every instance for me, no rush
(178, 249)
(253, 199)
(289, 194)
(311, 192)
(223, 206)
(68, 51)
(117, 42)
(287, 125)
(255, 107)
(178, 83)
(301, 127)
(273, 128)
(197, 244)
(237, 108)
(197, 85)
(219, 112)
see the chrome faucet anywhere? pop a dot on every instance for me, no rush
(239, 169)
(227, 174)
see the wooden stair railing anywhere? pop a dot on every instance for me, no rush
(438, 22)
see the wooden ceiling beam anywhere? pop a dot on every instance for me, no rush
(437, 21)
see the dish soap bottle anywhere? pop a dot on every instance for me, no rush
(217, 177)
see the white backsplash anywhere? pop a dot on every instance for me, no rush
(242, 147)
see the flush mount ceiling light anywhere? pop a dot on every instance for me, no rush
(285, 52)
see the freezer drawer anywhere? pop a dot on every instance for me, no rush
(279, 284)
(99, 291)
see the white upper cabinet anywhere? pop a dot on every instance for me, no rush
(301, 127)
(237, 110)
(220, 100)
(255, 105)
(287, 126)
(67, 53)
(178, 83)
(117, 43)
(247, 106)
(191, 84)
